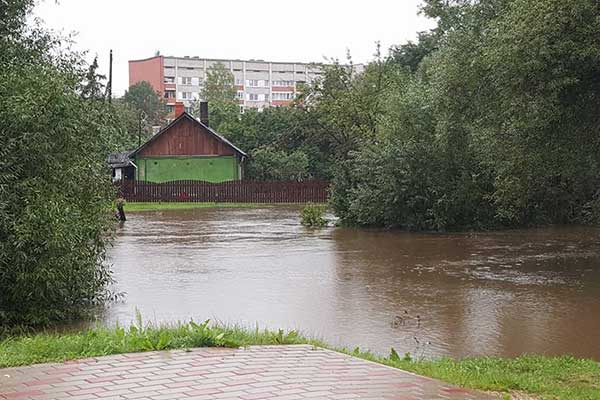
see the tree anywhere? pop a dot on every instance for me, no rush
(219, 86)
(93, 88)
(269, 164)
(55, 190)
(147, 103)
(499, 128)
(411, 54)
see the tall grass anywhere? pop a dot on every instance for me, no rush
(101, 341)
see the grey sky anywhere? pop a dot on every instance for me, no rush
(306, 30)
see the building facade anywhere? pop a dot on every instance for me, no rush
(259, 83)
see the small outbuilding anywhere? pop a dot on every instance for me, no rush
(186, 149)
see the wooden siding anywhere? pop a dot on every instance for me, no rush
(186, 139)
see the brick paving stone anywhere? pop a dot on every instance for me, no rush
(257, 372)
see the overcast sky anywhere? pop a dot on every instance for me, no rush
(273, 30)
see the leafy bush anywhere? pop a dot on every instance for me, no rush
(269, 164)
(54, 187)
(312, 215)
(497, 126)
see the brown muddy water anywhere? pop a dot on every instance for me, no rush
(501, 293)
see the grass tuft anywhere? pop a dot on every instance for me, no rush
(56, 347)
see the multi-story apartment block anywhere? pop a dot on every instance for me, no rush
(259, 83)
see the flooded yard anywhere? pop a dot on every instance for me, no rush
(500, 293)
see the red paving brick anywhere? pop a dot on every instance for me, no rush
(257, 372)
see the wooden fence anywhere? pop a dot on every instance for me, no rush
(226, 192)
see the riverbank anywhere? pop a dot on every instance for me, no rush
(142, 206)
(541, 377)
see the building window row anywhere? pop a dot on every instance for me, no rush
(257, 83)
(283, 83)
(283, 96)
(187, 80)
(195, 81)
(257, 97)
(188, 95)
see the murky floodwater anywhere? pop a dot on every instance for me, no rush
(501, 293)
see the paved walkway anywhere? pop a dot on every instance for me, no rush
(261, 372)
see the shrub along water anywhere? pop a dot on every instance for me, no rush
(55, 189)
(312, 215)
(489, 121)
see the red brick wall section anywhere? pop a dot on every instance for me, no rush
(150, 70)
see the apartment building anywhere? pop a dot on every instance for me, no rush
(259, 83)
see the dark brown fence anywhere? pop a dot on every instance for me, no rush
(226, 192)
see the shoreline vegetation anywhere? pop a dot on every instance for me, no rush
(537, 376)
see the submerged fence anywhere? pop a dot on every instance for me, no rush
(226, 192)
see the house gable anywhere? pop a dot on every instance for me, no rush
(186, 137)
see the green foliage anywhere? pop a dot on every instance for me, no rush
(147, 104)
(542, 377)
(138, 337)
(219, 86)
(312, 216)
(54, 188)
(269, 164)
(92, 86)
(498, 127)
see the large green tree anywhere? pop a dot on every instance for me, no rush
(499, 128)
(147, 103)
(55, 190)
(219, 85)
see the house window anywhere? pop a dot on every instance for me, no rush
(186, 80)
(253, 96)
(252, 82)
(170, 109)
(186, 95)
(241, 109)
(169, 94)
(266, 83)
(239, 82)
(240, 95)
(169, 79)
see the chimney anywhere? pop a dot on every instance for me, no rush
(179, 108)
(204, 112)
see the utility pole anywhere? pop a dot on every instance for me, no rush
(109, 85)
(140, 130)
(142, 118)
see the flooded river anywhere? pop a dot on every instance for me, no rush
(501, 293)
